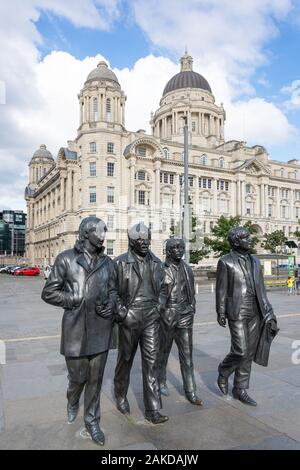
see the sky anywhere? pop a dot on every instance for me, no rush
(249, 51)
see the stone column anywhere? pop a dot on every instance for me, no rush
(266, 201)
(215, 197)
(81, 111)
(233, 198)
(243, 211)
(278, 204)
(69, 190)
(157, 166)
(132, 162)
(262, 199)
(238, 198)
(75, 191)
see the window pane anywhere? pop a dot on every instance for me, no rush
(110, 147)
(92, 147)
(110, 169)
(110, 195)
(92, 194)
(93, 171)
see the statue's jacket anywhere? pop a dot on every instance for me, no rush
(77, 288)
(172, 314)
(231, 286)
(128, 280)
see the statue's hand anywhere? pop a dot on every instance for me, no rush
(222, 320)
(104, 311)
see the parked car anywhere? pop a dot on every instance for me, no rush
(27, 271)
(4, 269)
(11, 269)
(47, 271)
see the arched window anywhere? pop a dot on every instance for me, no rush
(166, 153)
(204, 159)
(95, 109)
(282, 172)
(221, 162)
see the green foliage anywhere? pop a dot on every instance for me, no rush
(273, 240)
(219, 243)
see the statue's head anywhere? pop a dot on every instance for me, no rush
(175, 248)
(240, 239)
(139, 237)
(93, 230)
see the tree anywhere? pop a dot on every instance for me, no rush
(219, 243)
(197, 250)
(272, 240)
(297, 232)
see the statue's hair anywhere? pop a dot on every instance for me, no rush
(135, 232)
(172, 242)
(89, 223)
(235, 234)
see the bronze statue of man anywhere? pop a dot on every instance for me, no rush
(82, 282)
(140, 300)
(178, 318)
(242, 300)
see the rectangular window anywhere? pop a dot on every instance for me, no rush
(204, 183)
(164, 226)
(171, 179)
(297, 212)
(270, 210)
(166, 178)
(110, 221)
(191, 181)
(222, 185)
(209, 183)
(93, 196)
(193, 126)
(93, 148)
(161, 177)
(93, 171)
(110, 147)
(142, 151)
(181, 180)
(110, 247)
(110, 195)
(110, 169)
(141, 198)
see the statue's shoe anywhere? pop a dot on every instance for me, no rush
(155, 417)
(194, 399)
(223, 384)
(96, 434)
(123, 406)
(242, 395)
(164, 389)
(72, 412)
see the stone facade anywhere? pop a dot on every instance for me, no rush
(125, 177)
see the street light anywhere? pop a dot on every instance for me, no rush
(186, 214)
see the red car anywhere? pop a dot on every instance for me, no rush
(27, 271)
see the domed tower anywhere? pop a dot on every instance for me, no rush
(189, 93)
(101, 100)
(41, 162)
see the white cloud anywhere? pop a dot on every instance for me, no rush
(258, 122)
(226, 39)
(293, 90)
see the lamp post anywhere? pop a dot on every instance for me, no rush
(186, 214)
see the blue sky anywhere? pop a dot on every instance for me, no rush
(247, 50)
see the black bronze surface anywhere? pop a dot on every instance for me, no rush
(82, 281)
(140, 299)
(241, 300)
(177, 319)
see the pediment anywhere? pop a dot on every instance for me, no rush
(253, 166)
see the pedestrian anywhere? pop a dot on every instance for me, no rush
(290, 284)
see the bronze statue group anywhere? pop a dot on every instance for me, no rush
(151, 304)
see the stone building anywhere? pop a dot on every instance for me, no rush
(124, 177)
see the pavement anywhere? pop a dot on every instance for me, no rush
(33, 384)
